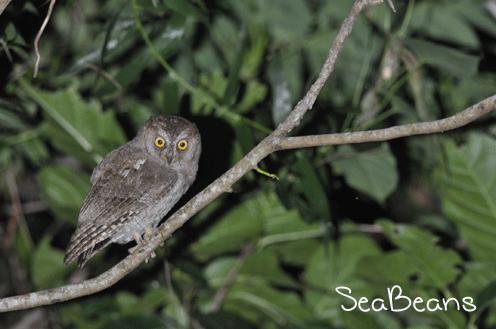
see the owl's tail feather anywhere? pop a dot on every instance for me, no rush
(85, 254)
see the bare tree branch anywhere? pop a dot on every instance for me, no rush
(38, 36)
(3, 5)
(422, 128)
(274, 142)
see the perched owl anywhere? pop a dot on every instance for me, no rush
(135, 186)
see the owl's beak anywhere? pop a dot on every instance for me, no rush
(169, 156)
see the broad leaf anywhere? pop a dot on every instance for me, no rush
(64, 190)
(449, 60)
(439, 266)
(373, 173)
(467, 182)
(47, 265)
(284, 308)
(334, 265)
(76, 127)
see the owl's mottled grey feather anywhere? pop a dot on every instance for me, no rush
(135, 186)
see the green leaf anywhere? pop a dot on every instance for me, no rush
(9, 120)
(281, 97)
(439, 266)
(217, 270)
(311, 186)
(149, 321)
(261, 214)
(467, 182)
(255, 93)
(32, 147)
(153, 298)
(264, 267)
(373, 173)
(166, 43)
(223, 320)
(477, 15)
(444, 22)
(471, 91)
(47, 265)
(287, 20)
(360, 320)
(281, 221)
(388, 269)
(64, 190)
(169, 96)
(188, 10)
(477, 275)
(449, 60)
(334, 265)
(297, 252)
(76, 127)
(234, 229)
(486, 297)
(216, 84)
(289, 236)
(284, 308)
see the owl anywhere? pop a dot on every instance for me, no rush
(135, 186)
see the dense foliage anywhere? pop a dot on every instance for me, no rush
(417, 212)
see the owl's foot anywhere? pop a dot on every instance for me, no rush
(141, 242)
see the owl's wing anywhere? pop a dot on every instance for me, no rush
(119, 192)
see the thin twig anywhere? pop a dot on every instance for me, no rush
(220, 295)
(175, 299)
(16, 210)
(344, 156)
(38, 36)
(102, 72)
(390, 2)
(6, 49)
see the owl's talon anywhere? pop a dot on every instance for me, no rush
(152, 255)
(140, 244)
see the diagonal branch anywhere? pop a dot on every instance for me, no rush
(274, 142)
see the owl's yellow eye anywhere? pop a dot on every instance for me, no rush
(182, 145)
(159, 142)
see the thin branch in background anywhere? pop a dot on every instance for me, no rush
(175, 299)
(102, 72)
(6, 49)
(19, 277)
(220, 295)
(38, 36)
(17, 215)
(390, 2)
(27, 207)
(348, 155)
(16, 210)
(415, 80)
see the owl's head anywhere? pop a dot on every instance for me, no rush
(173, 140)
